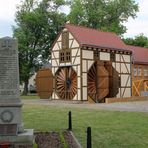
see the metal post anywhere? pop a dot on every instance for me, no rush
(69, 121)
(89, 145)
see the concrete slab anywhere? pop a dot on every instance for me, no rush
(25, 137)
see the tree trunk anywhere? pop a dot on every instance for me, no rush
(25, 91)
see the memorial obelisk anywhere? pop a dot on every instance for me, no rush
(11, 125)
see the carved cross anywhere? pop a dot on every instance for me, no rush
(7, 43)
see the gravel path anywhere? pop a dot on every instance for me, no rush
(139, 106)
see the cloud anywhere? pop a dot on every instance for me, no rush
(8, 9)
(7, 16)
(140, 24)
(134, 26)
(6, 28)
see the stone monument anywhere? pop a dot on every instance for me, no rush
(11, 126)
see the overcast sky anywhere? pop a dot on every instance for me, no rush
(135, 27)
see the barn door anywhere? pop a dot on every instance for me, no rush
(114, 79)
(98, 82)
(102, 81)
(44, 83)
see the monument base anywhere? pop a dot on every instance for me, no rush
(25, 139)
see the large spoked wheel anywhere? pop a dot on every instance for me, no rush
(98, 82)
(92, 78)
(66, 83)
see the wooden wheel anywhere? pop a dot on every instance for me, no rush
(66, 83)
(92, 76)
(98, 82)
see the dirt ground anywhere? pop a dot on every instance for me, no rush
(53, 140)
(139, 106)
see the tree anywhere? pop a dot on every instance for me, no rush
(107, 15)
(37, 26)
(139, 40)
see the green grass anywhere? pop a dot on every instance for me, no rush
(63, 140)
(110, 129)
(30, 96)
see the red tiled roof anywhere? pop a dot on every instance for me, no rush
(93, 37)
(140, 54)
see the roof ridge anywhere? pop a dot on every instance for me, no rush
(137, 46)
(91, 28)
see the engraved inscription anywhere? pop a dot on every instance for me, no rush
(8, 129)
(8, 69)
(8, 73)
(7, 53)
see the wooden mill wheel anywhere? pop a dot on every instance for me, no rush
(92, 82)
(66, 83)
(98, 82)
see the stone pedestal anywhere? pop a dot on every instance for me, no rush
(11, 125)
(21, 139)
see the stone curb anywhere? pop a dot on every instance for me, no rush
(75, 139)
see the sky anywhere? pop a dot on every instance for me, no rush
(134, 26)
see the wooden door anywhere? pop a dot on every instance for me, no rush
(98, 82)
(44, 83)
(114, 79)
(102, 81)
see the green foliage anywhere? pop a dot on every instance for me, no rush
(107, 15)
(110, 129)
(139, 40)
(35, 145)
(62, 139)
(37, 26)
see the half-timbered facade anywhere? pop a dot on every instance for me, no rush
(139, 69)
(89, 64)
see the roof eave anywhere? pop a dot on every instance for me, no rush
(103, 47)
(139, 62)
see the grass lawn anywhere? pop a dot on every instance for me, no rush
(30, 96)
(110, 129)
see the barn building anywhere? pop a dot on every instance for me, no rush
(89, 64)
(139, 70)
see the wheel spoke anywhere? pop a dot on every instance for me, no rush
(66, 83)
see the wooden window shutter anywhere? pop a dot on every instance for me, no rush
(65, 40)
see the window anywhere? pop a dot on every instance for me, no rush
(65, 56)
(68, 56)
(112, 57)
(65, 40)
(145, 72)
(139, 71)
(135, 72)
(62, 57)
(96, 55)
